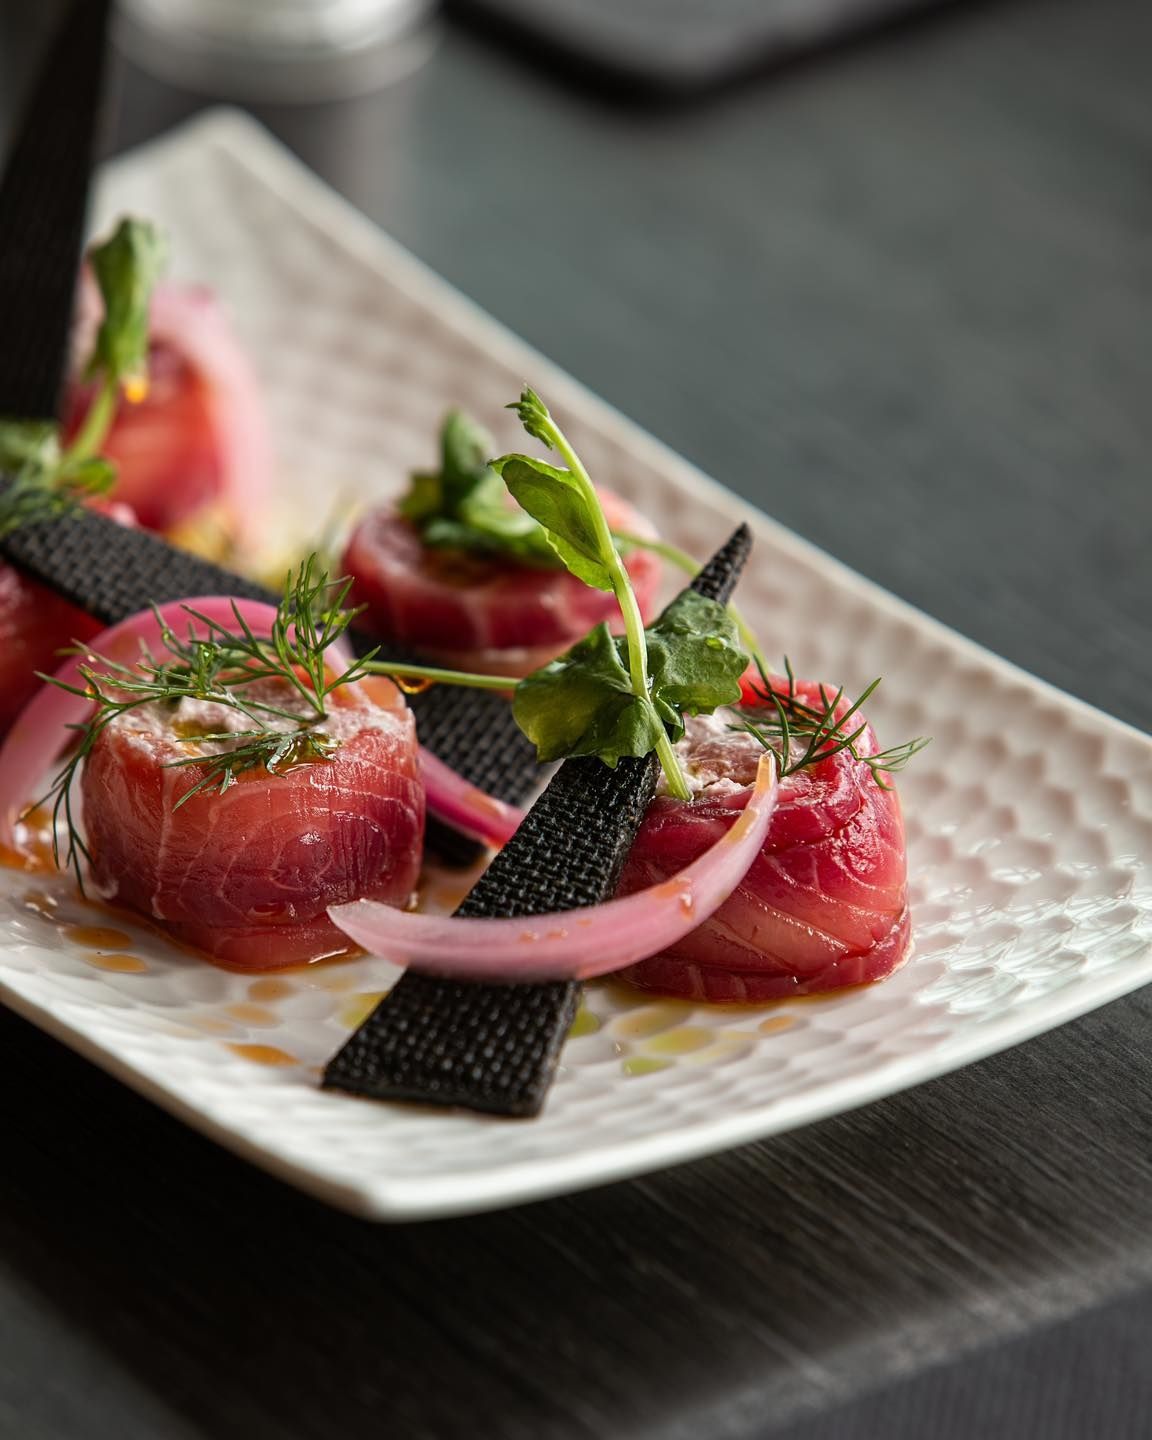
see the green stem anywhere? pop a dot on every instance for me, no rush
(629, 606)
(97, 423)
(683, 561)
(439, 677)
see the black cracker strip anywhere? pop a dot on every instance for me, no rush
(43, 203)
(113, 572)
(494, 1048)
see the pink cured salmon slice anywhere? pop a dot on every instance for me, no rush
(474, 613)
(824, 904)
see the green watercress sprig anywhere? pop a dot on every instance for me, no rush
(642, 684)
(464, 506)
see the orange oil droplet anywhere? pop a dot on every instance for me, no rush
(264, 1054)
(32, 851)
(120, 963)
(272, 987)
(775, 1023)
(97, 937)
(13, 859)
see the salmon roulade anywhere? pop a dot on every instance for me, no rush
(824, 903)
(246, 873)
(193, 459)
(471, 611)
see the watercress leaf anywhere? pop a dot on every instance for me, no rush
(694, 659)
(28, 442)
(126, 267)
(582, 704)
(553, 497)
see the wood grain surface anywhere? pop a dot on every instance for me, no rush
(902, 300)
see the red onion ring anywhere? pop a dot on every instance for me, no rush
(571, 944)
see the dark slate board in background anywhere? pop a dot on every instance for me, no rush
(902, 300)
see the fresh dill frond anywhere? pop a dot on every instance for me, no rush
(220, 664)
(800, 735)
(274, 752)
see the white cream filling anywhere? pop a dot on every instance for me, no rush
(715, 759)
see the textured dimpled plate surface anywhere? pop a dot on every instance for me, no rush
(1026, 846)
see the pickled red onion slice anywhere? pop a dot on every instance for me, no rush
(571, 944)
(463, 806)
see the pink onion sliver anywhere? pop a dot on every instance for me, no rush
(571, 944)
(40, 732)
(448, 795)
(462, 805)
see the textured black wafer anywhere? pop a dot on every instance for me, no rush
(112, 572)
(494, 1047)
(43, 203)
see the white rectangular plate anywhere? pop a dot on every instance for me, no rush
(1031, 903)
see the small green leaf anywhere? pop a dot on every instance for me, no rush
(582, 704)
(126, 267)
(553, 497)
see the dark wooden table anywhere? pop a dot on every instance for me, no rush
(901, 298)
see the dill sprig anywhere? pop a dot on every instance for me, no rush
(220, 665)
(800, 735)
(223, 664)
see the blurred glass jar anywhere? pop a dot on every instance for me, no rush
(287, 50)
